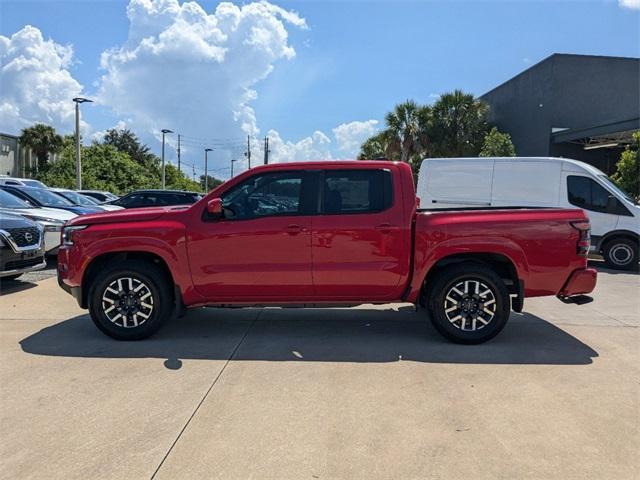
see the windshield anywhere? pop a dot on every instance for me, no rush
(33, 183)
(47, 198)
(9, 201)
(615, 188)
(78, 199)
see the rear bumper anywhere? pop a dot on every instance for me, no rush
(580, 282)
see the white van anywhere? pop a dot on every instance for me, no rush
(538, 182)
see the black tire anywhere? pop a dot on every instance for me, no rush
(132, 325)
(621, 254)
(9, 278)
(443, 311)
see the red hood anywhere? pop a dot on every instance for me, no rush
(126, 215)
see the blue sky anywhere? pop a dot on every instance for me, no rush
(357, 59)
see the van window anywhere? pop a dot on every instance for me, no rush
(356, 191)
(585, 193)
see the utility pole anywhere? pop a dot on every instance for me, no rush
(232, 162)
(164, 132)
(266, 150)
(248, 153)
(194, 172)
(78, 101)
(179, 152)
(206, 175)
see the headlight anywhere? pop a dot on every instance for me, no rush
(37, 218)
(67, 233)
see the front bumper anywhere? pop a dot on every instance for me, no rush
(580, 282)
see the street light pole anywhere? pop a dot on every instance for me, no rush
(78, 101)
(164, 132)
(206, 174)
(232, 162)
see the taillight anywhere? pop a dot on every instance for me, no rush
(584, 240)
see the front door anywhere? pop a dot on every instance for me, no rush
(261, 249)
(584, 192)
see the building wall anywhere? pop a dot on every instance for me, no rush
(566, 91)
(9, 154)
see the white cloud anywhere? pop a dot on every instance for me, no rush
(350, 136)
(99, 135)
(313, 147)
(631, 4)
(193, 72)
(36, 85)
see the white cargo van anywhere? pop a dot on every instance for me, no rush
(538, 182)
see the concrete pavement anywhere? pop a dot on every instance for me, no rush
(369, 392)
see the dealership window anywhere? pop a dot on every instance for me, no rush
(356, 191)
(264, 196)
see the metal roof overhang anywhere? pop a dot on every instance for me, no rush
(618, 133)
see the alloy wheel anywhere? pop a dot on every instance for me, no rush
(470, 305)
(127, 302)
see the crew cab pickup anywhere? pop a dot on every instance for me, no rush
(322, 233)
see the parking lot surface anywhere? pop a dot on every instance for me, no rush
(367, 392)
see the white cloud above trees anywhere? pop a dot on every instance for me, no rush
(631, 4)
(35, 82)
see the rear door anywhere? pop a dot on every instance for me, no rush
(359, 245)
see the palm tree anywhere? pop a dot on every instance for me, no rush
(43, 140)
(458, 125)
(405, 129)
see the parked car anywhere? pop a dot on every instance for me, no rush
(21, 246)
(83, 201)
(100, 195)
(51, 219)
(41, 197)
(24, 182)
(322, 233)
(156, 198)
(539, 182)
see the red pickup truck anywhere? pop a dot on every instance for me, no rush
(322, 233)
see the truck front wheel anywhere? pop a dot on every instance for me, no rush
(469, 303)
(130, 300)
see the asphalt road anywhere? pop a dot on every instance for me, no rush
(368, 392)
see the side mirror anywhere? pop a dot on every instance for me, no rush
(214, 208)
(612, 205)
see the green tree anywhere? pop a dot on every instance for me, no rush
(375, 147)
(212, 183)
(405, 130)
(497, 144)
(457, 125)
(627, 174)
(43, 140)
(103, 168)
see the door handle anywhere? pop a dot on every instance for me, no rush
(294, 229)
(387, 228)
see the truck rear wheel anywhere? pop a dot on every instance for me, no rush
(469, 303)
(621, 254)
(130, 300)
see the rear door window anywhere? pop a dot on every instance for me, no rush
(356, 191)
